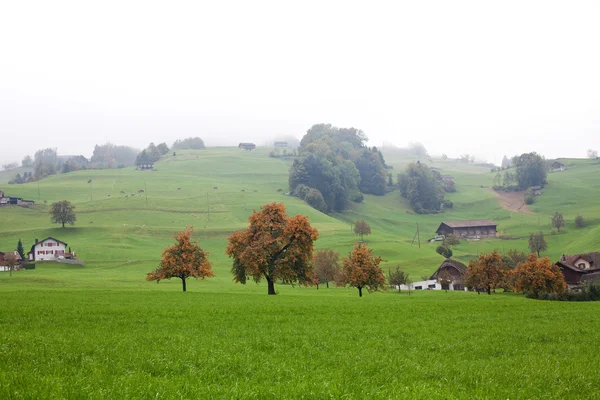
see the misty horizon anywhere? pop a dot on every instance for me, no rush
(461, 78)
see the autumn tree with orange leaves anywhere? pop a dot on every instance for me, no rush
(182, 260)
(486, 273)
(274, 247)
(361, 270)
(538, 276)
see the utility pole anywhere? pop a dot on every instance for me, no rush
(418, 235)
(146, 191)
(39, 197)
(208, 205)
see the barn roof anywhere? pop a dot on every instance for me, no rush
(470, 223)
(460, 267)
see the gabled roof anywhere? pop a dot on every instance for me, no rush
(48, 238)
(460, 267)
(469, 224)
(592, 258)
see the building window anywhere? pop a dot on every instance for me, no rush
(432, 286)
(581, 266)
(418, 287)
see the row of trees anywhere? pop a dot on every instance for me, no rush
(276, 248)
(533, 276)
(522, 172)
(336, 163)
(152, 153)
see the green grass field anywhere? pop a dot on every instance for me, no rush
(102, 331)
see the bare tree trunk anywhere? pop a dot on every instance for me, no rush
(360, 291)
(327, 284)
(183, 283)
(271, 286)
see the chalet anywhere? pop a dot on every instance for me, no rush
(3, 265)
(557, 166)
(47, 249)
(280, 144)
(537, 190)
(145, 167)
(468, 229)
(246, 146)
(580, 268)
(456, 271)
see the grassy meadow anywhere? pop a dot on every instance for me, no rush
(102, 331)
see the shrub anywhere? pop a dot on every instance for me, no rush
(444, 251)
(447, 204)
(315, 199)
(579, 222)
(358, 198)
(301, 191)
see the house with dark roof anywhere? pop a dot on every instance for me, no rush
(47, 249)
(579, 269)
(468, 229)
(456, 271)
(246, 146)
(4, 265)
(557, 166)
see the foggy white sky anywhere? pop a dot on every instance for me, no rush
(478, 77)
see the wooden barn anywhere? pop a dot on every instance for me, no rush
(579, 269)
(246, 146)
(457, 270)
(468, 229)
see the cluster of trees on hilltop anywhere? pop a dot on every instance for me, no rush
(420, 186)
(152, 153)
(189, 143)
(522, 172)
(336, 163)
(109, 156)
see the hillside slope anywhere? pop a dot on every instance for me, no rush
(122, 231)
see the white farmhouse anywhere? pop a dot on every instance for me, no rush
(47, 249)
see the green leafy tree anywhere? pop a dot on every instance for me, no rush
(153, 153)
(444, 251)
(530, 170)
(162, 148)
(450, 240)
(398, 277)
(315, 199)
(558, 221)
(62, 212)
(27, 161)
(419, 185)
(190, 143)
(537, 243)
(579, 221)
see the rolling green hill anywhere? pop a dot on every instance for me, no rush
(216, 189)
(102, 331)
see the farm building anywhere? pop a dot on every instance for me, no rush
(537, 190)
(145, 167)
(455, 269)
(468, 229)
(47, 249)
(580, 268)
(557, 166)
(280, 144)
(13, 200)
(246, 146)
(3, 265)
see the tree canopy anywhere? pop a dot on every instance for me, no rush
(530, 170)
(558, 221)
(486, 273)
(274, 247)
(421, 188)
(63, 212)
(537, 243)
(538, 276)
(336, 162)
(361, 270)
(112, 156)
(189, 143)
(361, 228)
(182, 260)
(326, 266)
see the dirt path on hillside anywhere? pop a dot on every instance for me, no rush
(512, 201)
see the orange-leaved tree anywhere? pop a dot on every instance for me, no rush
(486, 273)
(274, 247)
(361, 270)
(182, 260)
(537, 276)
